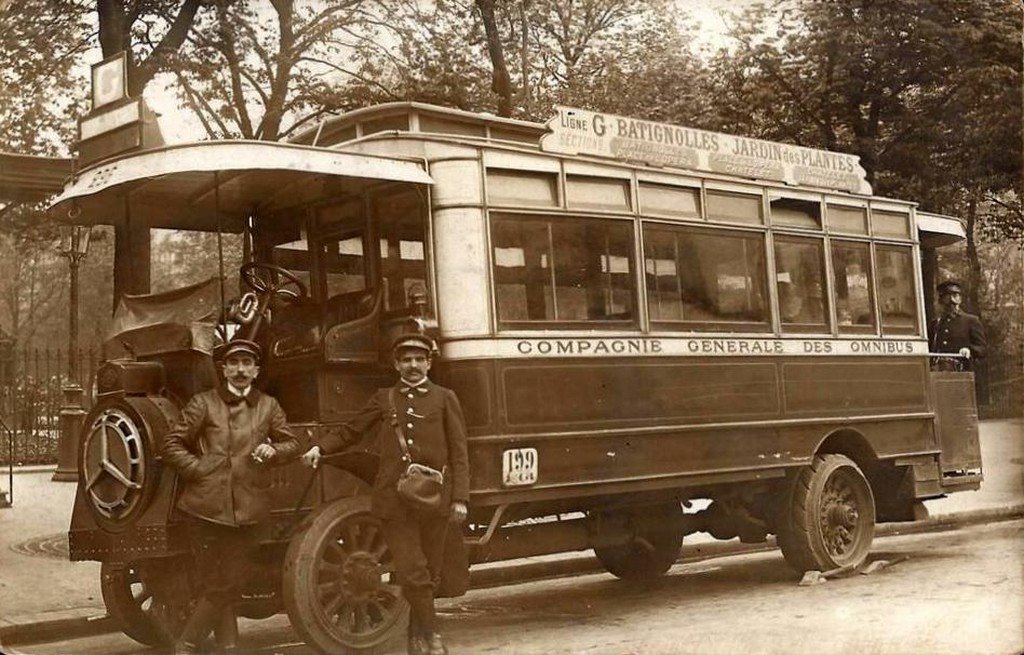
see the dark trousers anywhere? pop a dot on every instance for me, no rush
(417, 550)
(225, 558)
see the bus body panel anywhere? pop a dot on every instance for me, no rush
(641, 425)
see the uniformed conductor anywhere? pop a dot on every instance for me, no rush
(221, 448)
(956, 331)
(435, 433)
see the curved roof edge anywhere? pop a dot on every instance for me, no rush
(939, 230)
(235, 156)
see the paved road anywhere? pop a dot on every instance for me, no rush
(36, 587)
(957, 592)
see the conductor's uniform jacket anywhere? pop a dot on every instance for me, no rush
(951, 332)
(432, 423)
(211, 447)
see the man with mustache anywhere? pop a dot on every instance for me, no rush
(429, 419)
(221, 447)
(956, 331)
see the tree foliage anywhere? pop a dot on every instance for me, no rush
(926, 92)
(39, 94)
(263, 70)
(521, 57)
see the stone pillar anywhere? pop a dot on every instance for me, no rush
(71, 415)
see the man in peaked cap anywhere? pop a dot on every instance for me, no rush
(956, 331)
(221, 447)
(429, 419)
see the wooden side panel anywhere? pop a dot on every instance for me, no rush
(844, 387)
(956, 419)
(615, 392)
(676, 423)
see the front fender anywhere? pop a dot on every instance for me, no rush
(361, 463)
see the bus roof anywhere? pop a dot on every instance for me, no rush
(187, 186)
(621, 139)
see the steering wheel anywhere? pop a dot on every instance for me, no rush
(267, 288)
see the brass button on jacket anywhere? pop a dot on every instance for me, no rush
(437, 421)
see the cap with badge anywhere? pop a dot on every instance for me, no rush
(236, 347)
(949, 286)
(417, 341)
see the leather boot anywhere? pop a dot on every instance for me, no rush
(435, 645)
(225, 633)
(203, 618)
(417, 645)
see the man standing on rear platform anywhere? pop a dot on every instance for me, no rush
(429, 419)
(222, 447)
(956, 331)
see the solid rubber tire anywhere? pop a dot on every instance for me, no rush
(799, 528)
(125, 609)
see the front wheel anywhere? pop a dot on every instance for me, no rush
(340, 588)
(827, 519)
(129, 601)
(149, 600)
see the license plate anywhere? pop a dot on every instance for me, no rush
(519, 467)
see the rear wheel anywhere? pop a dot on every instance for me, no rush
(339, 584)
(827, 519)
(655, 536)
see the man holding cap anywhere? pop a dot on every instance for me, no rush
(221, 448)
(430, 421)
(956, 331)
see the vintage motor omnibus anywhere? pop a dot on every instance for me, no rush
(634, 315)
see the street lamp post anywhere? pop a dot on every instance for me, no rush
(74, 244)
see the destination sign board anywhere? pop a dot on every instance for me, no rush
(582, 132)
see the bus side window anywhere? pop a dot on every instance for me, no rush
(402, 232)
(851, 266)
(563, 269)
(704, 279)
(894, 266)
(800, 277)
(344, 267)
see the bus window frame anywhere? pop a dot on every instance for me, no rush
(855, 330)
(734, 189)
(917, 330)
(769, 229)
(774, 193)
(264, 243)
(697, 218)
(712, 327)
(374, 233)
(332, 235)
(796, 235)
(504, 327)
(846, 203)
(910, 236)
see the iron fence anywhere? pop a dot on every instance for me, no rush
(32, 383)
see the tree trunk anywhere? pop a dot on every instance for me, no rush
(524, 55)
(501, 83)
(974, 293)
(974, 280)
(115, 35)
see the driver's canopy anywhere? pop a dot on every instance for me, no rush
(328, 236)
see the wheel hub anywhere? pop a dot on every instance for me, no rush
(840, 516)
(360, 576)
